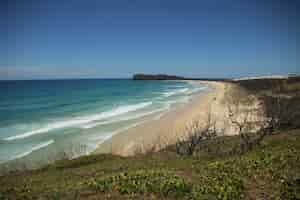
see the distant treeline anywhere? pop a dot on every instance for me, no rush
(156, 77)
(172, 77)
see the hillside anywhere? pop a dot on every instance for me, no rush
(270, 171)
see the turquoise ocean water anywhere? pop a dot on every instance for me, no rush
(45, 119)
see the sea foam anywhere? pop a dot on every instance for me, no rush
(136, 116)
(79, 121)
(174, 92)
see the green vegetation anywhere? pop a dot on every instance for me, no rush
(269, 171)
(163, 183)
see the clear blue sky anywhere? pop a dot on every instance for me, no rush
(116, 38)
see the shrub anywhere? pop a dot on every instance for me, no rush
(290, 189)
(195, 135)
(140, 182)
(2, 197)
(223, 182)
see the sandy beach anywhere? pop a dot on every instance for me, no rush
(157, 133)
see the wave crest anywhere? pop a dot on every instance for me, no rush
(174, 92)
(82, 120)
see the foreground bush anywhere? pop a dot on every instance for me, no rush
(158, 182)
(222, 185)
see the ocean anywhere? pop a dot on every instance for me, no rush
(42, 120)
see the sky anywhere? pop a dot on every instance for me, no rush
(116, 38)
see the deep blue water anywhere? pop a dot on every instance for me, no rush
(73, 116)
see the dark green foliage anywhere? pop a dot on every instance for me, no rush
(159, 182)
(263, 170)
(2, 197)
(223, 182)
(290, 189)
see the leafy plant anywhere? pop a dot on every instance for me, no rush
(290, 189)
(2, 197)
(221, 182)
(159, 182)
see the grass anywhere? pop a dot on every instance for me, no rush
(270, 171)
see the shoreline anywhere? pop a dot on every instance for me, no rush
(156, 133)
